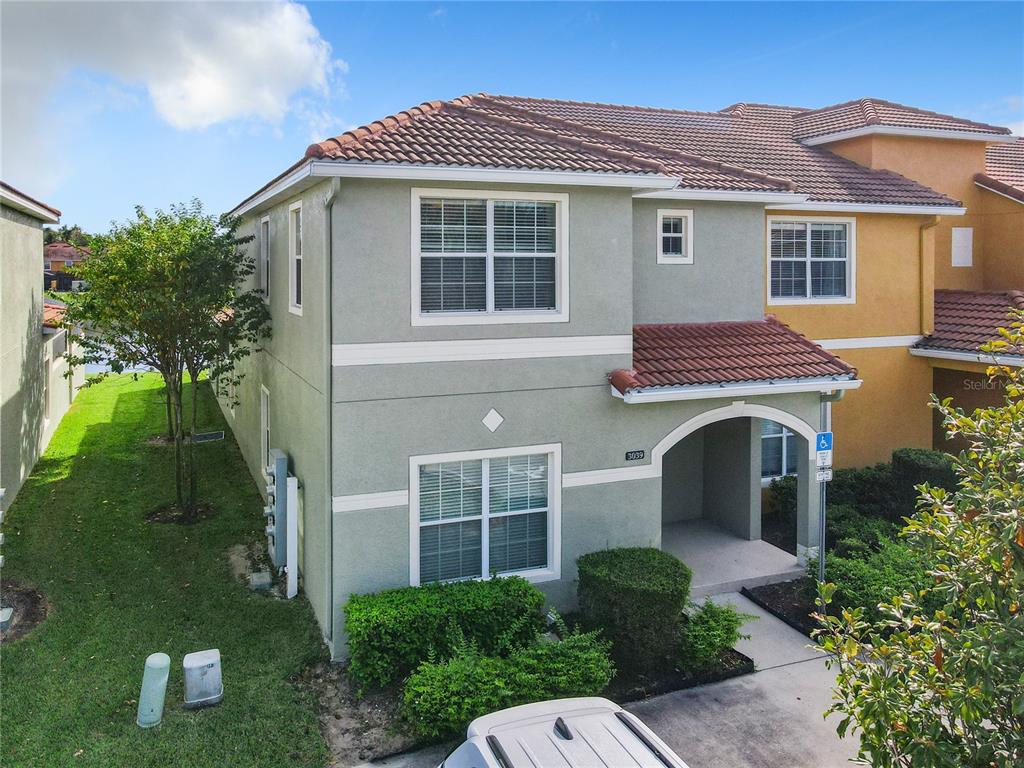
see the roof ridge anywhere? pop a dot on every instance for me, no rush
(867, 108)
(463, 104)
(634, 107)
(809, 343)
(738, 107)
(868, 105)
(616, 138)
(319, 148)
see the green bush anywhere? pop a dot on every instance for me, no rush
(846, 528)
(869, 489)
(893, 569)
(913, 466)
(780, 501)
(637, 597)
(391, 632)
(441, 698)
(708, 632)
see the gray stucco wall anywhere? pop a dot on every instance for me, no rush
(682, 486)
(726, 280)
(732, 495)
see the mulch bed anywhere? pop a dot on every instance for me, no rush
(790, 601)
(30, 608)
(626, 687)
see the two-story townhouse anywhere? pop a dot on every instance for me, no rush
(511, 331)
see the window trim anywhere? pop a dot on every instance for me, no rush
(554, 452)
(293, 257)
(851, 261)
(504, 317)
(264, 257)
(684, 213)
(787, 432)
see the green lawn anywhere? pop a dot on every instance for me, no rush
(121, 588)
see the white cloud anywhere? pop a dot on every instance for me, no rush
(199, 63)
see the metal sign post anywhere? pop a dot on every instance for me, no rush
(823, 450)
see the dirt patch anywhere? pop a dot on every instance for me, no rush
(247, 559)
(357, 729)
(791, 601)
(30, 608)
(172, 513)
(625, 688)
(160, 440)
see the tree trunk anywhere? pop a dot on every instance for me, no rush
(174, 399)
(170, 418)
(192, 501)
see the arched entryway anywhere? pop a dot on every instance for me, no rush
(710, 469)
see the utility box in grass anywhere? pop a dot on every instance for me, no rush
(203, 683)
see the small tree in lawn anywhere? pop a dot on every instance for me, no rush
(946, 688)
(166, 291)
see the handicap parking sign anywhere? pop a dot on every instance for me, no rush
(823, 448)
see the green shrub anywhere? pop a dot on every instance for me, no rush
(637, 597)
(869, 489)
(708, 632)
(441, 698)
(391, 632)
(913, 466)
(780, 500)
(845, 523)
(866, 581)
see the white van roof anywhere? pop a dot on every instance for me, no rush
(570, 733)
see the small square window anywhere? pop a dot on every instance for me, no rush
(675, 236)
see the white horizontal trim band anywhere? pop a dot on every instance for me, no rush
(361, 501)
(997, 192)
(20, 202)
(897, 130)
(930, 210)
(723, 195)
(615, 475)
(711, 391)
(970, 357)
(458, 350)
(868, 342)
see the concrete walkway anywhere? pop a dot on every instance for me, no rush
(773, 718)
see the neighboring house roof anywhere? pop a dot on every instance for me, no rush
(1004, 169)
(61, 251)
(864, 115)
(53, 313)
(700, 354)
(964, 320)
(17, 199)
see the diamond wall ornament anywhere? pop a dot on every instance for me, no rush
(493, 420)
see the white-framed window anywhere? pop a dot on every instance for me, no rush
(481, 513)
(264, 427)
(962, 246)
(46, 266)
(69, 263)
(675, 236)
(481, 257)
(295, 258)
(811, 261)
(780, 450)
(264, 258)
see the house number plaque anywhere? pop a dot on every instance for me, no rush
(635, 455)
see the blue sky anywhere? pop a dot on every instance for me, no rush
(110, 105)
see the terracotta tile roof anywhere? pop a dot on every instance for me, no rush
(757, 138)
(863, 113)
(53, 313)
(1004, 169)
(61, 251)
(683, 354)
(964, 320)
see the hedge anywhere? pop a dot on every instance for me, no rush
(867, 580)
(390, 633)
(913, 466)
(442, 698)
(848, 531)
(637, 597)
(708, 632)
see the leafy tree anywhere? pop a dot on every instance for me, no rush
(167, 292)
(944, 688)
(66, 233)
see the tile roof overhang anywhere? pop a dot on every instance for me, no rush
(868, 116)
(1004, 170)
(964, 320)
(18, 200)
(678, 361)
(53, 313)
(64, 251)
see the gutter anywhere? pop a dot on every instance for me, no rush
(1013, 361)
(329, 398)
(711, 391)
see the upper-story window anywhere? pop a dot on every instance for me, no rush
(489, 257)
(810, 261)
(295, 258)
(264, 265)
(675, 236)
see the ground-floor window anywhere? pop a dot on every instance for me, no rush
(779, 450)
(484, 513)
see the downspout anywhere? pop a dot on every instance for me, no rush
(329, 397)
(926, 244)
